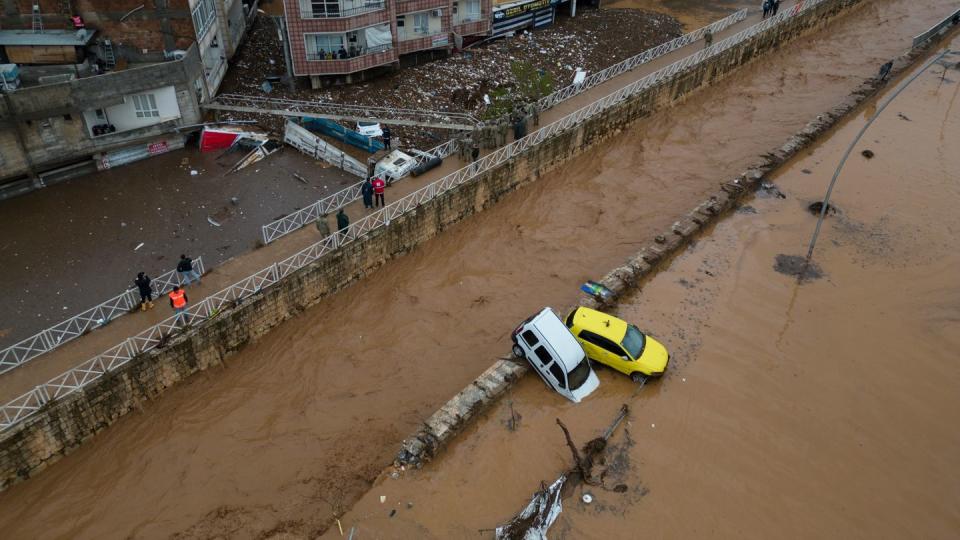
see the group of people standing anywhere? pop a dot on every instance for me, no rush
(372, 191)
(770, 7)
(178, 297)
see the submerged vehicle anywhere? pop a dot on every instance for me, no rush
(615, 343)
(555, 355)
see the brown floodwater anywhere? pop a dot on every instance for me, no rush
(821, 410)
(295, 427)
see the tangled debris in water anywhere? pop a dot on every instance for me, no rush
(795, 265)
(816, 208)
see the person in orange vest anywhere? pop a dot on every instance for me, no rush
(178, 301)
(378, 188)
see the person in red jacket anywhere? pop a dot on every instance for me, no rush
(178, 301)
(379, 186)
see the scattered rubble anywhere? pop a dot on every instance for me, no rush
(593, 40)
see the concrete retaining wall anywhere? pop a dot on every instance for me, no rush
(65, 423)
(480, 394)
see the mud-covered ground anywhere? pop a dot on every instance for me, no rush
(592, 40)
(73, 245)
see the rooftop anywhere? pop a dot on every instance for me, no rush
(65, 38)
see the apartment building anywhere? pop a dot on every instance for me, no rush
(137, 31)
(350, 37)
(93, 84)
(347, 40)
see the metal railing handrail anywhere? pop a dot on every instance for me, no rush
(63, 332)
(633, 62)
(28, 403)
(369, 7)
(300, 218)
(309, 214)
(936, 29)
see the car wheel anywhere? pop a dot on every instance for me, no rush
(636, 377)
(517, 351)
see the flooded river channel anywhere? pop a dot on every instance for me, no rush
(294, 428)
(824, 410)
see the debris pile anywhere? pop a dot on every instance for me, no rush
(591, 41)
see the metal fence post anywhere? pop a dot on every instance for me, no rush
(131, 346)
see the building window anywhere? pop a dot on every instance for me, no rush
(323, 46)
(146, 106)
(319, 9)
(421, 23)
(471, 10)
(203, 16)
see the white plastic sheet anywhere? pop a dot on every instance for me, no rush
(532, 523)
(377, 35)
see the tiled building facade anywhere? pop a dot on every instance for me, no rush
(345, 37)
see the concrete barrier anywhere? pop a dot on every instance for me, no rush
(64, 424)
(443, 425)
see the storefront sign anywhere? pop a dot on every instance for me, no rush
(158, 148)
(522, 9)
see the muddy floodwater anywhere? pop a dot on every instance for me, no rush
(294, 429)
(821, 410)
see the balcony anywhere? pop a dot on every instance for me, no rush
(366, 58)
(346, 54)
(322, 9)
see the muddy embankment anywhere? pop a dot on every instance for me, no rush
(294, 427)
(816, 410)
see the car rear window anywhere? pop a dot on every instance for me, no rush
(530, 338)
(543, 355)
(579, 374)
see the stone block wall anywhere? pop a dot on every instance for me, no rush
(64, 424)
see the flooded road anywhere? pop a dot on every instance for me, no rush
(825, 410)
(295, 427)
(73, 245)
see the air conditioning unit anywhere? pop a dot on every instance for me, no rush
(436, 13)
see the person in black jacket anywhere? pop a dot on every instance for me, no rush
(146, 293)
(367, 191)
(187, 273)
(386, 137)
(342, 220)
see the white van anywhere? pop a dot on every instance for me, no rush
(555, 355)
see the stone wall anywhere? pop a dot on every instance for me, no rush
(65, 423)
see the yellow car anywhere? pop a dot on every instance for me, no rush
(614, 343)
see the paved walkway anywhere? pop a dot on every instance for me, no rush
(45, 367)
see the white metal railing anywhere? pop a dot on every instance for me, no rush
(330, 204)
(633, 62)
(25, 405)
(45, 341)
(937, 28)
(305, 216)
